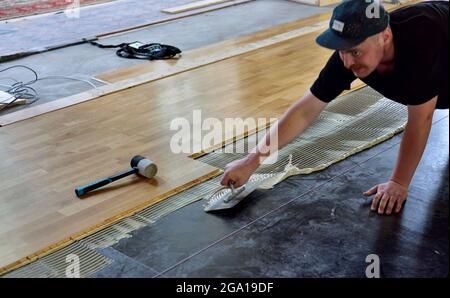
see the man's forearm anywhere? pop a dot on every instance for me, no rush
(280, 134)
(411, 149)
(296, 119)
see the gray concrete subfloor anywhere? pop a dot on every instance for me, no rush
(86, 61)
(317, 225)
(34, 34)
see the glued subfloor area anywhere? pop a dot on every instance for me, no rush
(318, 225)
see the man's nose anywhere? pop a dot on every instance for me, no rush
(348, 60)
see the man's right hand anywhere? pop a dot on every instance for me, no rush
(239, 171)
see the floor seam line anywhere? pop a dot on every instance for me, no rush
(128, 257)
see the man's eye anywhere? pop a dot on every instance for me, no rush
(356, 53)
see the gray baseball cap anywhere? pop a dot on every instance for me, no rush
(352, 22)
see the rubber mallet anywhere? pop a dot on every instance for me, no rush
(139, 165)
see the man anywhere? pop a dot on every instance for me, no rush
(402, 55)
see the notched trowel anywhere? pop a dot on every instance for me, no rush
(226, 198)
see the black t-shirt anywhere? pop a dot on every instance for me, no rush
(420, 60)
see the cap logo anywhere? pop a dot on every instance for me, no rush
(338, 25)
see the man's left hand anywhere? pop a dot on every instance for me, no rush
(389, 197)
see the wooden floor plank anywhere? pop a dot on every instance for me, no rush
(49, 156)
(227, 45)
(193, 6)
(127, 77)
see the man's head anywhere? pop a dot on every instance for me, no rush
(359, 31)
(363, 59)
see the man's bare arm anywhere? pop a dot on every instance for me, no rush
(391, 195)
(293, 122)
(414, 141)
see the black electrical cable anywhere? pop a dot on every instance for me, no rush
(138, 50)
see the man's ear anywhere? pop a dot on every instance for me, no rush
(386, 35)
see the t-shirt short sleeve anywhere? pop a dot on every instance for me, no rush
(333, 79)
(421, 43)
(424, 67)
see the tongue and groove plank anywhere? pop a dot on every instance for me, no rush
(47, 157)
(193, 6)
(160, 66)
(133, 76)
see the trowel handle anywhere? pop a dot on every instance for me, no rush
(231, 186)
